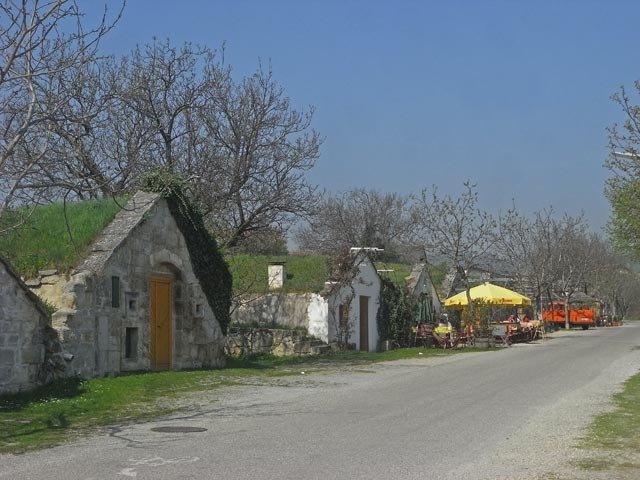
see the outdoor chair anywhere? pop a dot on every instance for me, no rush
(500, 333)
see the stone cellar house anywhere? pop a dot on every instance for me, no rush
(344, 310)
(420, 285)
(351, 300)
(352, 304)
(27, 341)
(136, 302)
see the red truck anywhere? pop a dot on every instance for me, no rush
(555, 313)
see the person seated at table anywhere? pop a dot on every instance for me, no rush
(444, 326)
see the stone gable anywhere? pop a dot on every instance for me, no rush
(26, 340)
(135, 302)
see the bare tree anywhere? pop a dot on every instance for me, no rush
(615, 284)
(515, 246)
(573, 258)
(549, 255)
(241, 145)
(73, 122)
(260, 148)
(456, 229)
(526, 247)
(359, 218)
(624, 293)
(77, 135)
(36, 56)
(165, 86)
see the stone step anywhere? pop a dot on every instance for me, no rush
(320, 349)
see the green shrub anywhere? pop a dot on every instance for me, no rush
(395, 314)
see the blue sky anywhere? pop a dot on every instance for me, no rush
(513, 95)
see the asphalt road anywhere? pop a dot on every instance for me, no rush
(511, 414)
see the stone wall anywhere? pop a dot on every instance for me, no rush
(290, 310)
(26, 341)
(245, 341)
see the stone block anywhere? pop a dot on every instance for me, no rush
(320, 349)
(7, 356)
(32, 375)
(33, 355)
(9, 326)
(62, 318)
(65, 334)
(47, 273)
(50, 280)
(6, 373)
(20, 376)
(87, 337)
(282, 350)
(302, 347)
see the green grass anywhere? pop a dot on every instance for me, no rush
(305, 273)
(397, 276)
(615, 435)
(43, 241)
(53, 414)
(349, 357)
(619, 429)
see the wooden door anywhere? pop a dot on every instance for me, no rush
(161, 307)
(364, 324)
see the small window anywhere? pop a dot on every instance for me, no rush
(131, 343)
(199, 310)
(131, 302)
(115, 292)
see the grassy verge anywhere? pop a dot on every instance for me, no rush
(614, 437)
(53, 414)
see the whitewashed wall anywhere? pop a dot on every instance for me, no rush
(313, 311)
(367, 283)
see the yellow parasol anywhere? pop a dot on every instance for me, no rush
(490, 293)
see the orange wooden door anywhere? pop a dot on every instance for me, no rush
(364, 324)
(160, 323)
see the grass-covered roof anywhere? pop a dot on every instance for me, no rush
(54, 236)
(305, 273)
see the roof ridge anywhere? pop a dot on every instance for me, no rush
(118, 230)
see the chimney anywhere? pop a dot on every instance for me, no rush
(276, 275)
